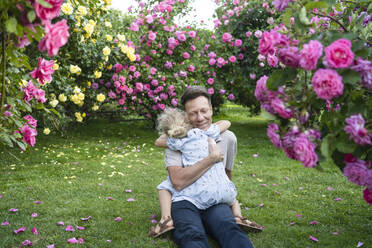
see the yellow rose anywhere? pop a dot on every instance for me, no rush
(77, 90)
(131, 56)
(81, 96)
(53, 103)
(82, 11)
(106, 51)
(67, 8)
(109, 66)
(83, 115)
(131, 50)
(89, 29)
(101, 97)
(108, 37)
(95, 107)
(46, 131)
(91, 22)
(89, 84)
(62, 98)
(97, 74)
(107, 2)
(55, 66)
(75, 69)
(121, 37)
(23, 83)
(124, 48)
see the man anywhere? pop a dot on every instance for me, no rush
(192, 224)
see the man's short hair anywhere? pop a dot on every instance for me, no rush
(194, 92)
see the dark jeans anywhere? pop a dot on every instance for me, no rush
(218, 222)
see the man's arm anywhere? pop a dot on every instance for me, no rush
(161, 141)
(223, 125)
(182, 177)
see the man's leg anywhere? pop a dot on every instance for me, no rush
(221, 224)
(228, 145)
(189, 231)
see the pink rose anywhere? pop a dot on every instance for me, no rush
(232, 59)
(238, 43)
(305, 151)
(29, 134)
(186, 55)
(46, 14)
(339, 54)
(44, 71)
(272, 133)
(355, 128)
(31, 121)
(56, 36)
(310, 54)
(289, 56)
(327, 84)
(231, 97)
(151, 35)
(357, 172)
(281, 108)
(212, 61)
(367, 195)
(210, 91)
(226, 37)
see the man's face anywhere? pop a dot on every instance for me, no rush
(199, 112)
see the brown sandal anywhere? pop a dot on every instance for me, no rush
(164, 228)
(248, 226)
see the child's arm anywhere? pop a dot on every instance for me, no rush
(161, 141)
(223, 125)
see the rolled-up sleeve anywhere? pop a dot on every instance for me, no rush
(172, 158)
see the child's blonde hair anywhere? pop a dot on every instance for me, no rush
(173, 123)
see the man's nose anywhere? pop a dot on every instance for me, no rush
(200, 117)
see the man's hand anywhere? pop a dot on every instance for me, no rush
(214, 151)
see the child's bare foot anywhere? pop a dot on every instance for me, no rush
(247, 225)
(165, 225)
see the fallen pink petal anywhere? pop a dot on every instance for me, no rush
(37, 202)
(1, 196)
(153, 216)
(337, 199)
(299, 215)
(34, 231)
(291, 224)
(255, 155)
(100, 184)
(117, 219)
(153, 221)
(335, 233)
(253, 175)
(130, 199)
(313, 238)
(110, 198)
(60, 223)
(286, 178)
(330, 188)
(128, 190)
(34, 215)
(50, 246)
(263, 185)
(360, 244)
(27, 243)
(81, 240)
(277, 192)
(274, 184)
(5, 223)
(13, 210)
(22, 229)
(80, 227)
(70, 228)
(261, 205)
(314, 222)
(108, 241)
(87, 218)
(72, 241)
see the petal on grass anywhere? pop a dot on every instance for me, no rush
(360, 244)
(108, 241)
(261, 205)
(50, 246)
(128, 190)
(314, 222)
(330, 188)
(5, 223)
(291, 224)
(72, 241)
(130, 199)
(34, 215)
(153, 221)
(60, 223)
(80, 227)
(69, 228)
(37, 202)
(118, 219)
(34, 231)
(337, 199)
(13, 210)
(87, 218)
(313, 238)
(27, 243)
(255, 155)
(22, 229)
(335, 233)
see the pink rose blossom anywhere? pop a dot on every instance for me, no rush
(364, 67)
(289, 140)
(310, 54)
(27, 243)
(272, 133)
(289, 56)
(280, 5)
(226, 37)
(355, 128)
(186, 55)
(31, 121)
(272, 60)
(248, 34)
(151, 35)
(29, 134)
(327, 84)
(281, 108)
(367, 195)
(357, 171)
(210, 91)
(56, 36)
(210, 81)
(22, 229)
(48, 13)
(238, 42)
(44, 71)
(339, 54)
(232, 59)
(231, 97)
(305, 151)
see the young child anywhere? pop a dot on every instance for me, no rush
(178, 134)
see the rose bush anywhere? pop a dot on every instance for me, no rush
(22, 89)
(320, 94)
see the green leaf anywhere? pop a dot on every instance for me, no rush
(325, 147)
(318, 5)
(280, 77)
(39, 106)
(303, 18)
(350, 77)
(345, 147)
(55, 112)
(31, 16)
(5, 138)
(21, 145)
(44, 4)
(11, 25)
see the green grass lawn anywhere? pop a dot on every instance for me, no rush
(89, 172)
